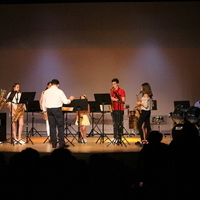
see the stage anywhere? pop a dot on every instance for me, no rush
(127, 152)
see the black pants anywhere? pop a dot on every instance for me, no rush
(56, 119)
(117, 118)
(144, 118)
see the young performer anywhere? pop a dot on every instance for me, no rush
(118, 98)
(145, 104)
(16, 113)
(45, 117)
(84, 120)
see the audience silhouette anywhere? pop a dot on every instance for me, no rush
(163, 172)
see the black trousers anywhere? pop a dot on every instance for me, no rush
(117, 118)
(56, 120)
(144, 118)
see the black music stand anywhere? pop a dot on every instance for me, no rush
(94, 107)
(9, 99)
(33, 106)
(67, 124)
(79, 105)
(27, 98)
(103, 99)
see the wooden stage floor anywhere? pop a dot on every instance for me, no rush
(128, 152)
(93, 145)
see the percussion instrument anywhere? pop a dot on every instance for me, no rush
(158, 119)
(133, 120)
(193, 114)
(179, 114)
(67, 109)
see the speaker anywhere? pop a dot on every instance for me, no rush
(2, 126)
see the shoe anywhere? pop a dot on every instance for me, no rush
(64, 146)
(1, 142)
(15, 141)
(112, 141)
(83, 141)
(21, 141)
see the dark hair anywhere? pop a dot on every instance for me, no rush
(155, 137)
(146, 89)
(14, 86)
(55, 82)
(48, 84)
(115, 80)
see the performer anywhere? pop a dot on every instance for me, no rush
(53, 100)
(45, 117)
(17, 114)
(84, 120)
(118, 98)
(197, 104)
(145, 104)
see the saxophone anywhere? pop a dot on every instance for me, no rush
(138, 108)
(18, 112)
(2, 99)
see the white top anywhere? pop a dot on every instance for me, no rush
(147, 103)
(54, 98)
(16, 98)
(197, 104)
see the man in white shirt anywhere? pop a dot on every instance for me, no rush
(53, 100)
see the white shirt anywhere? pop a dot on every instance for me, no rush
(147, 103)
(54, 98)
(197, 104)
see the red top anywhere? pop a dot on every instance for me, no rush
(118, 94)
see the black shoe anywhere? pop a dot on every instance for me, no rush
(64, 146)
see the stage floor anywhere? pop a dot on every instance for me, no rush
(93, 145)
(127, 152)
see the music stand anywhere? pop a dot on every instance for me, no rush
(103, 99)
(33, 106)
(9, 99)
(66, 108)
(79, 105)
(27, 98)
(94, 107)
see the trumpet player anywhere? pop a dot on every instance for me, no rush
(16, 113)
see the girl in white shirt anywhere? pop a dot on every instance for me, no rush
(145, 104)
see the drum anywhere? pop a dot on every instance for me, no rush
(185, 130)
(193, 114)
(179, 114)
(133, 120)
(158, 119)
(137, 112)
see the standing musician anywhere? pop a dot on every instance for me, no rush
(53, 100)
(84, 120)
(145, 104)
(45, 117)
(118, 98)
(16, 113)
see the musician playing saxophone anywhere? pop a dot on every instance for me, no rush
(146, 104)
(17, 114)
